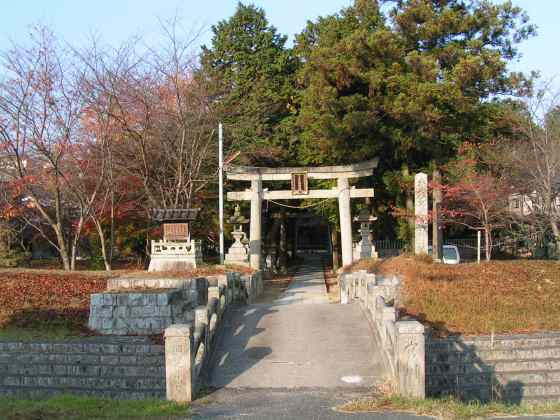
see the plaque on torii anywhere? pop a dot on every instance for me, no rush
(177, 251)
(299, 177)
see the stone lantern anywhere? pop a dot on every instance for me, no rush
(238, 252)
(364, 248)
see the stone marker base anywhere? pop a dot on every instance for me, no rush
(176, 262)
(175, 256)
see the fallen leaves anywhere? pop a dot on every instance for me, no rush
(46, 300)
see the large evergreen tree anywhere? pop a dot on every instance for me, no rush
(408, 84)
(250, 71)
(405, 80)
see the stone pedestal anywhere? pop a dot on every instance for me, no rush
(364, 248)
(238, 253)
(175, 256)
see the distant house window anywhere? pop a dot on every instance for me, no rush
(299, 184)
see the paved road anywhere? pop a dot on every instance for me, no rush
(287, 404)
(299, 340)
(293, 357)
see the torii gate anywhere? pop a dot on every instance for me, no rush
(299, 177)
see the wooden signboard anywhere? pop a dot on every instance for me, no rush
(300, 184)
(175, 232)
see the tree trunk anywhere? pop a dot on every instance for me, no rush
(409, 204)
(104, 253)
(488, 243)
(283, 248)
(62, 249)
(335, 255)
(75, 242)
(556, 234)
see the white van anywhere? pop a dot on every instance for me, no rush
(450, 254)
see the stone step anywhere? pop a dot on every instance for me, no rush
(497, 366)
(489, 355)
(118, 371)
(499, 342)
(90, 348)
(46, 381)
(131, 394)
(139, 359)
(487, 378)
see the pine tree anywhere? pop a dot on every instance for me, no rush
(249, 71)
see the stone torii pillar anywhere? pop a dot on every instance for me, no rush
(345, 216)
(255, 233)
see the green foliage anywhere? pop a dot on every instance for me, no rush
(408, 85)
(249, 72)
(407, 81)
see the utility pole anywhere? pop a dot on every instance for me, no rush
(221, 188)
(437, 234)
(478, 234)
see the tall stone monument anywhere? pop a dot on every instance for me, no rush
(421, 213)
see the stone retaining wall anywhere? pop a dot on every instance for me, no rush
(143, 313)
(511, 368)
(129, 367)
(125, 368)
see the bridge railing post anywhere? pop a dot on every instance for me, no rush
(178, 363)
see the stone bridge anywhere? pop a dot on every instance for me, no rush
(297, 339)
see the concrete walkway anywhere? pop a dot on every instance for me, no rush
(298, 340)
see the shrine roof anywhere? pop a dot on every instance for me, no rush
(174, 215)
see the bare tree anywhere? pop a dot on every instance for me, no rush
(39, 116)
(534, 163)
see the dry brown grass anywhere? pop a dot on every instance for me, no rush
(499, 296)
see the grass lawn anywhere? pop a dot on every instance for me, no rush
(519, 296)
(84, 408)
(449, 408)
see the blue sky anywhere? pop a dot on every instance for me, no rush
(116, 20)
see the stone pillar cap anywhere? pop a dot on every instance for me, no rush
(178, 330)
(410, 327)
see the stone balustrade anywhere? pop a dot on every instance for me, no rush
(403, 341)
(188, 346)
